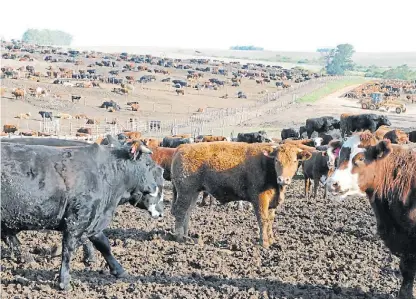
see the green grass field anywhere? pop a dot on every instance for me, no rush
(330, 88)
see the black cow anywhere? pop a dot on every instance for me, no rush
(289, 133)
(75, 98)
(255, 137)
(174, 142)
(412, 136)
(318, 169)
(107, 104)
(75, 191)
(326, 138)
(362, 122)
(302, 132)
(46, 141)
(46, 114)
(321, 125)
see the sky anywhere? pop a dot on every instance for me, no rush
(289, 25)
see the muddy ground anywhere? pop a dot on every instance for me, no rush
(326, 249)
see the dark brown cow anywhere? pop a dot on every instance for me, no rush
(387, 177)
(318, 168)
(230, 171)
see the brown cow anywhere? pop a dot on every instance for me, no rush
(387, 177)
(81, 116)
(135, 107)
(19, 93)
(214, 138)
(151, 142)
(181, 136)
(397, 136)
(381, 131)
(180, 91)
(9, 128)
(257, 173)
(133, 135)
(23, 115)
(163, 157)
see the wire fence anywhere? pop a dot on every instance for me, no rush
(211, 121)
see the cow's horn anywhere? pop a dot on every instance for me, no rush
(145, 150)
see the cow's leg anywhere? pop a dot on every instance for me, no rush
(408, 269)
(315, 187)
(181, 210)
(89, 253)
(13, 243)
(100, 242)
(307, 183)
(69, 244)
(261, 208)
(272, 215)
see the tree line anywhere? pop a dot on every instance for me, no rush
(46, 37)
(246, 48)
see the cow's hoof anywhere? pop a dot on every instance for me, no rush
(265, 244)
(64, 286)
(123, 274)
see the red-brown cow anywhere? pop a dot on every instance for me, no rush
(387, 176)
(257, 173)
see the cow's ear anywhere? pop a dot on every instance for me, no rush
(304, 155)
(134, 150)
(267, 154)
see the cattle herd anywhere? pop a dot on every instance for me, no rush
(77, 188)
(70, 74)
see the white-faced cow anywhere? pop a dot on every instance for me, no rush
(386, 175)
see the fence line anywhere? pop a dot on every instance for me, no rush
(199, 122)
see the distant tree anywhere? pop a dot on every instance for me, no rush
(339, 60)
(246, 48)
(47, 37)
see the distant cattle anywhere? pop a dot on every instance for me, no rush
(221, 168)
(362, 122)
(64, 116)
(23, 115)
(108, 104)
(289, 133)
(214, 138)
(9, 128)
(46, 114)
(135, 107)
(75, 98)
(180, 91)
(92, 121)
(81, 116)
(303, 132)
(85, 131)
(321, 125)
(18, 93)
(255, 137)
(174, 142)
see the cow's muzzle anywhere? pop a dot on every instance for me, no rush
(281, 180)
